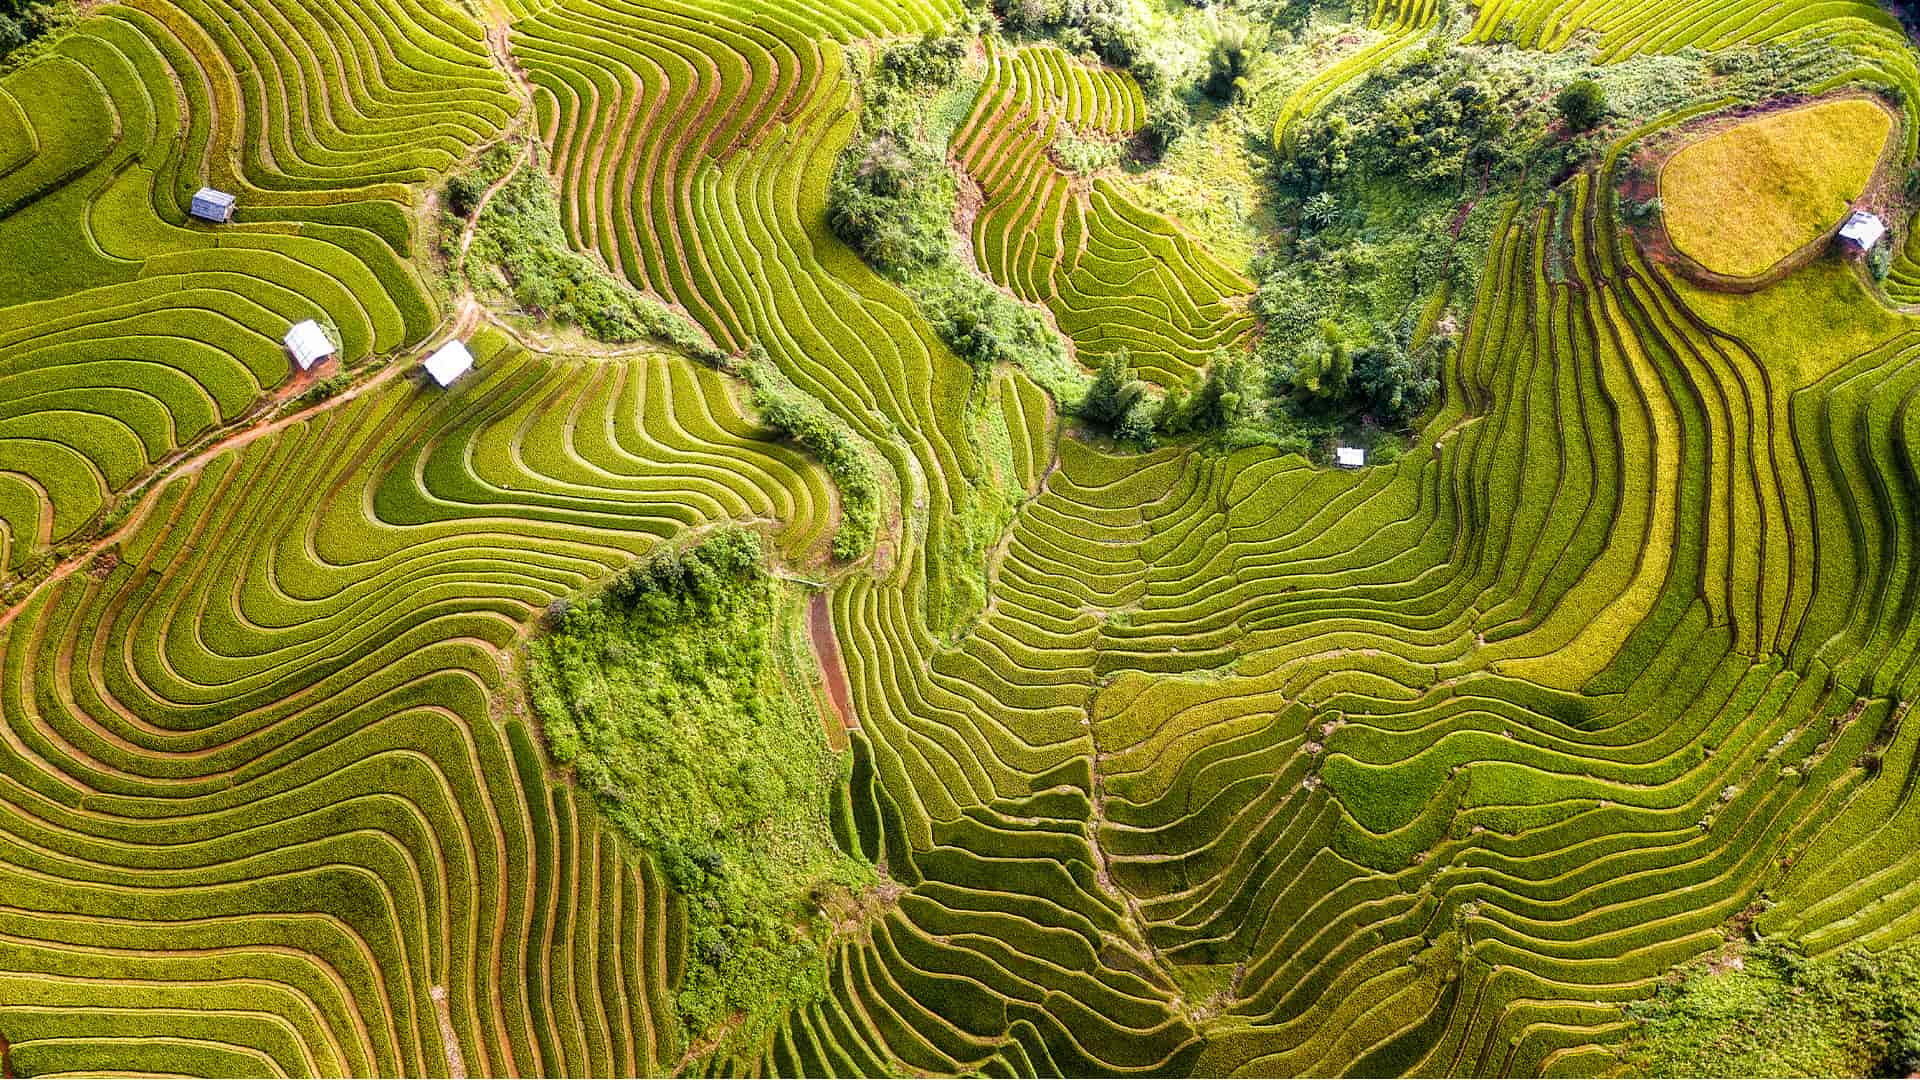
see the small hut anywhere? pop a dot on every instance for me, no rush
(1349, 457)
(1862, 232)
(449, 362)
(308, 344)
(211, 205)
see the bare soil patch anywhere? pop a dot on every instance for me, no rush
(833, 669)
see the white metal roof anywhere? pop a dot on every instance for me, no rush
(1349, 457)
(1863, 230)
(211, 205)
(308, 344)
(449, 362)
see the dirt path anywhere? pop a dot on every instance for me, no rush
(472, 226)
(188, 466)
(456, 1062)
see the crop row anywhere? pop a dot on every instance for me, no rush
(1113, 274)
(1428, 768)
(130, 332)
(278, 704)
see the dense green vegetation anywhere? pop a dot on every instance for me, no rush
(22, 21)
(1380, 182)
(519, 253)
(358, 725)
(892, 199)
(675, 694)
(1770, 1010)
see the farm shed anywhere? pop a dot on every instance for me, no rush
(211, 205)
(449, 362)
(1862, 231)
(1349, 457)
(309, 344)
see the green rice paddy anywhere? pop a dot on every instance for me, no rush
(1201, 760)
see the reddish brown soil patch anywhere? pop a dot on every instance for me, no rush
(6, 1059)
(826, 649)
(104, 564)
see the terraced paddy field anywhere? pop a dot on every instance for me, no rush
(1192, 758)
(1743, 200)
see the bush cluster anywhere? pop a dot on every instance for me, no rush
(932, 61)
(986, 326)
(800, 417)
(665, 694)
(519, 248)
(464, 189)
(892, 199)
(1118, 404)
(669, 587)
(323, 389)
(1582, 104)
(1780, 1012)
(1378, 374)
(1431, 123)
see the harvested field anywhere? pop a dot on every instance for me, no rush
(1743, 199)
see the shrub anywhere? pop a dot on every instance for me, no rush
(463, 190)
(1224, 395)
(1114, 394)
(1393, 383)
(1582, 104)
(798, 416)
(331, 386)
(1137, 426)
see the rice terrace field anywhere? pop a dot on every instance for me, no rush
(959, 537)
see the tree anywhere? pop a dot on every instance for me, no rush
(1114, 392)
(1395, 383)
(1325, 368)
(1136, 428)
(1582, 104)
(1227, 60)
(1222, 398)
(1174, 417)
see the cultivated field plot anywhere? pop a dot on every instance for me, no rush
(1740, 201)
(1192, 758)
